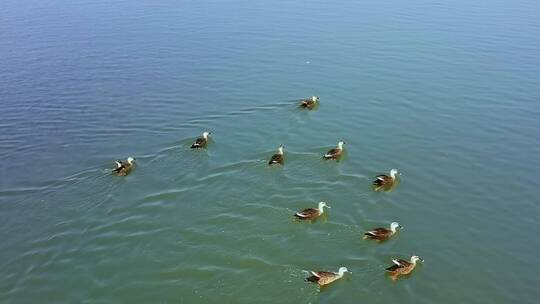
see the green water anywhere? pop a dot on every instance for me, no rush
(447, 93)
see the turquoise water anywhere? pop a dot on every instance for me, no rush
(448, 93)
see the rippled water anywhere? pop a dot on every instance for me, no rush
(448, 93)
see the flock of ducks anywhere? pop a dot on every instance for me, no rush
(399, 268)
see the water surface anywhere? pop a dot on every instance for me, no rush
(445, 92)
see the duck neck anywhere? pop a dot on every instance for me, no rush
(280, 150)
(321, 209)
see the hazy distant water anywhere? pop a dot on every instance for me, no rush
(447, 92)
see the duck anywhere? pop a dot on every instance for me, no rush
(277, 159)
(123, 168)
(326, 277)
(309, 103)
(386, 180)
(335, 152)
(382, 234)
(201, 142)
(311, 213)
(403, 267)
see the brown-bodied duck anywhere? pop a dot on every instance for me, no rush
(123, 168)
(382, 234)
(403, 267)
(309, 103)
(277, 159)
(311, 213)
(335, 152)
(326, 277)
(384, 180)
(201, 142)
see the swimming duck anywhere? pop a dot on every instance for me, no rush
(309, 103)
(123, 168)
(386, 180)
(277, 159)
(201, 142)
(382, 234)
(335, 152)
(311, 213)
(325, 277)
(402, 267)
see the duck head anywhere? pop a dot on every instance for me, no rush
(205, 134)
(314, 98)
(342, 271)
(130, 160)
(394, 226)
(280, 149)
(416, 258)
(394, 172)
(321, 205)
(341, 143)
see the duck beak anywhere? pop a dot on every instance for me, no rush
(400, 227)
